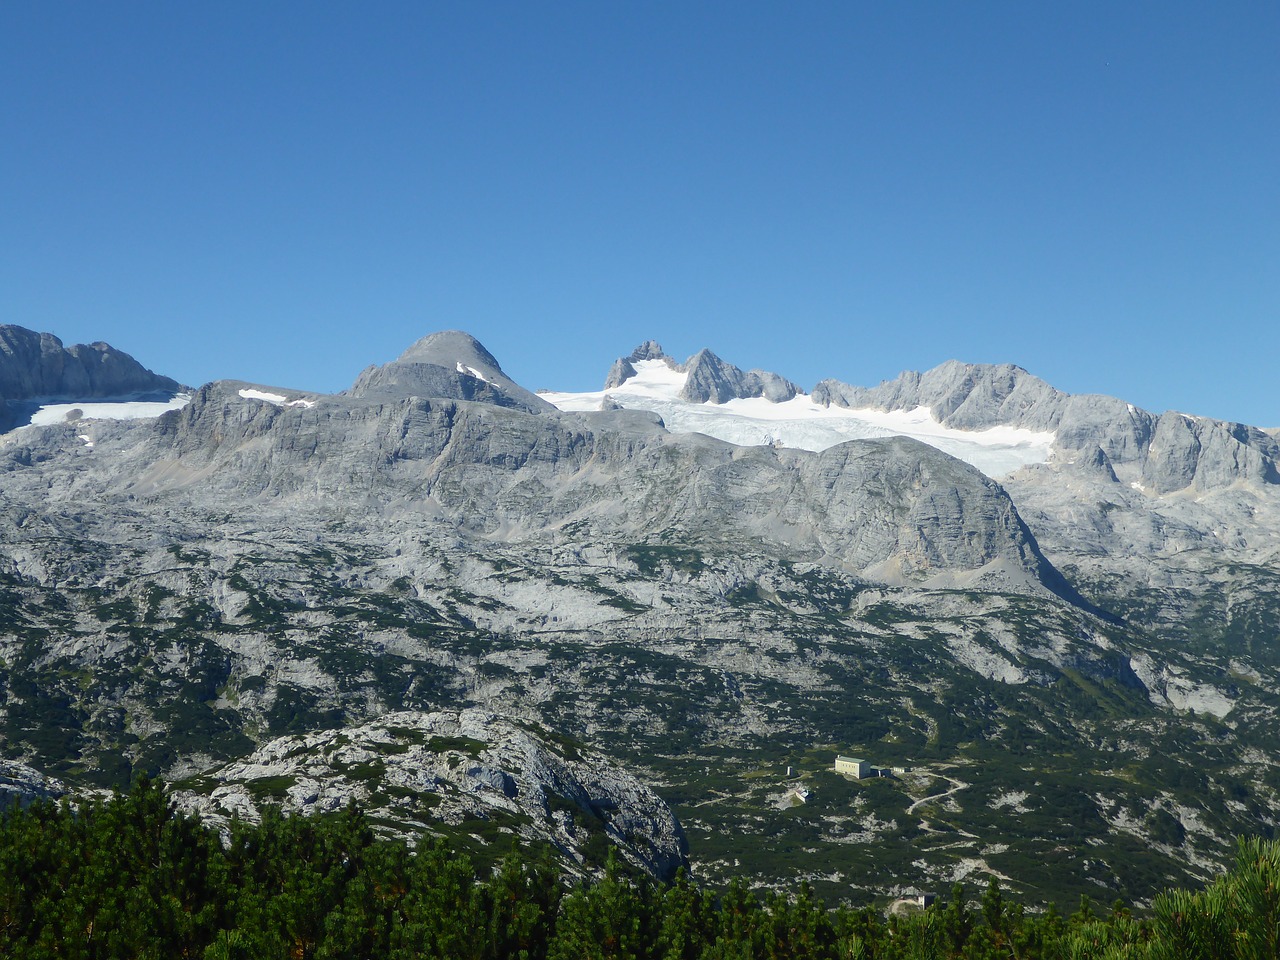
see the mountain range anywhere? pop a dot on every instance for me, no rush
(677, 599)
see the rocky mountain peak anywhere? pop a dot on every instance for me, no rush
(451, 365)
(649, 350)
(451, 347)
(623, 368)
(712, 380)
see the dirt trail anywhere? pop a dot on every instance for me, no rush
(957, 785)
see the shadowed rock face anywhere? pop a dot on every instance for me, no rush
(449, 364)
(37, 366)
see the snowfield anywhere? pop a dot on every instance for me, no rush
(801, 423)
(52, 413)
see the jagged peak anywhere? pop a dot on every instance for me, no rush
(649, 350)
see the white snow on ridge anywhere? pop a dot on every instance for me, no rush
(801, 423)
(471, 372)
(52, 413)
(277, 399)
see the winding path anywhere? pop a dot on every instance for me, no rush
(957, 785)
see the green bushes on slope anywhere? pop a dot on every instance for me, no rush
(129, 877)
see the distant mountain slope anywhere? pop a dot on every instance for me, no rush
(1174, 451)
(707, 395)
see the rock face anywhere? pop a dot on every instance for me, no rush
(467, 772)
(711, 380)
(449, 364)
(464, 582)
(894, 509)
(22, 785)
(37, 365)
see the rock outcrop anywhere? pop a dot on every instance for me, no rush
(708, 378)
(467, 772)
(22, 785)
(37, 367)
(712, 380)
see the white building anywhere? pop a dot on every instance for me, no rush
(852, 767)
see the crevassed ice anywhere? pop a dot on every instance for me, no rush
(801, 423)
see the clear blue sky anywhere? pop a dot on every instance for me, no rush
(287, 192)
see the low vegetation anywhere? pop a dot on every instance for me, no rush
(130, 877)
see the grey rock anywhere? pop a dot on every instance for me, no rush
(619, 373)
(452, 767)
(892, 508)
(22, 785)
(1208, 455)
(712, 380)
(1175, 452)
(37, 367)
(254, 567)
(649, 350)
(450, 364)
(623, 368)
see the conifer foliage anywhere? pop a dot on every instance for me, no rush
(130, 877)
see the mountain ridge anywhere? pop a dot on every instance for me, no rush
(181, 591)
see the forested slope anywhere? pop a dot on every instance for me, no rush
(130, 877)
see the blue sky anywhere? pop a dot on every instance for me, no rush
(287, 192)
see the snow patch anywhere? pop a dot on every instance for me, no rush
(275, 398)
(471, 372)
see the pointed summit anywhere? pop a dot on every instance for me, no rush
(712, 380)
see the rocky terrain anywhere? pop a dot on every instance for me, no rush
(468, 774)
(1074, 667)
